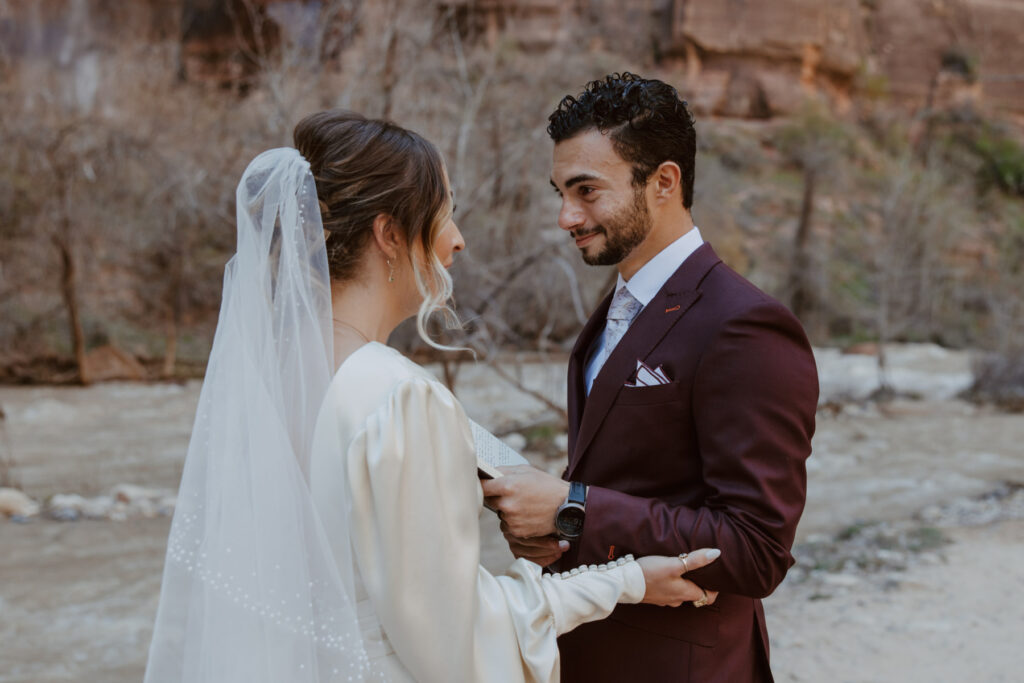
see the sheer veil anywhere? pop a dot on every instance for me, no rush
(251, 591)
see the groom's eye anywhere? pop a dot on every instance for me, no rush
(585, 190)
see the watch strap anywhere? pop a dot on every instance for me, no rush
(577, 493)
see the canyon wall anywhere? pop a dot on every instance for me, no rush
(757, 59)
(734, 58)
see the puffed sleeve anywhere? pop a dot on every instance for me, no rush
(415, 507)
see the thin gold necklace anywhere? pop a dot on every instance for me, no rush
(353, 328)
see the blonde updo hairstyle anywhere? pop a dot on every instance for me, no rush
(367, 167)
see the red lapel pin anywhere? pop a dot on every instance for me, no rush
(674, 308)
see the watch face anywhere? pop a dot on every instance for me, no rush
(569, 521)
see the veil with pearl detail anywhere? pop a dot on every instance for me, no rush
(251, 591)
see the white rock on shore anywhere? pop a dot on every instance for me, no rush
(130, 493)
(924, 370)
(14, 503)
(123, 502)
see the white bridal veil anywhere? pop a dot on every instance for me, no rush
(251, 591)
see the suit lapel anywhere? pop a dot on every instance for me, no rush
(667, 307)
(577, 394)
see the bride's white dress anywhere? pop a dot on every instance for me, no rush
(396, 443)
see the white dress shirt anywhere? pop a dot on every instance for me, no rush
(644, 284)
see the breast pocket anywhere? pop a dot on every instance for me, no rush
(649, 436)
(658, 393)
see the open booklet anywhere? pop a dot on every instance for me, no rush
(492, 453)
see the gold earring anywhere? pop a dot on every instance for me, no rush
(391, 274)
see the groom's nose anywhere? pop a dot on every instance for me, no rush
(570, 216)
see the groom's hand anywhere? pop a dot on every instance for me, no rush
(526, 500)
(543, 550)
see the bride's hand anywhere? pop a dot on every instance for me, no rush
(665, 584)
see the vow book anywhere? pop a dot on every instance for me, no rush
(492, 453)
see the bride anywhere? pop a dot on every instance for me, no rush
(327, 519)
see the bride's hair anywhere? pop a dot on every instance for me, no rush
(367, 167)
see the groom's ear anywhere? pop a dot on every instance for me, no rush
(668, 180)
(387, 235)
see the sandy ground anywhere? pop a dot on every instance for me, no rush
(77, 599)
(960, 619)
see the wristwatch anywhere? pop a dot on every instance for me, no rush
(571, 513)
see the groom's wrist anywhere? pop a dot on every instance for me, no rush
(570, 515)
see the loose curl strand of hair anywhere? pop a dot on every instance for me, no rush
(364, 168)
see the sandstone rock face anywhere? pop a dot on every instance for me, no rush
(757, 59)
(735, 58)
(911, 40)
(1000, 25)
(827, 35)
(753, 59)
(532, 24)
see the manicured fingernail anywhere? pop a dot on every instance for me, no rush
(563, 545)
(713, 553)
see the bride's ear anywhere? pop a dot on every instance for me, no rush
(388, 236)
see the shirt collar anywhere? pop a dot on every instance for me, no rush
(647, 281)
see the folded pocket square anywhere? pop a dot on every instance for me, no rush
(646, 376)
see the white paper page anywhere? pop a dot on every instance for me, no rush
(493, 450)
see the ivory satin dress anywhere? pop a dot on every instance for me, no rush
(395, 443)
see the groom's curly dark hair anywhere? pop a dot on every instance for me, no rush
(647, 121)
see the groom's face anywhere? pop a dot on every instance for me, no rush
(603, 211)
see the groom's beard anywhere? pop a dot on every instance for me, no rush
(623, 232)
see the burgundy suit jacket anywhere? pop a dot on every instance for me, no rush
(713, 459)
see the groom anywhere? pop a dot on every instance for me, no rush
(692, 397)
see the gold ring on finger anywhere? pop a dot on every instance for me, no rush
(682, 558)
(703, 599)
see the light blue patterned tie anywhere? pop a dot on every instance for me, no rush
(623, 309)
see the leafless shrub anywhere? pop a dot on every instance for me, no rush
(999, 380)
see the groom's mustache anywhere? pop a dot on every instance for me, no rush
(577, 234)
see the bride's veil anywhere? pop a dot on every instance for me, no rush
(251, 591)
